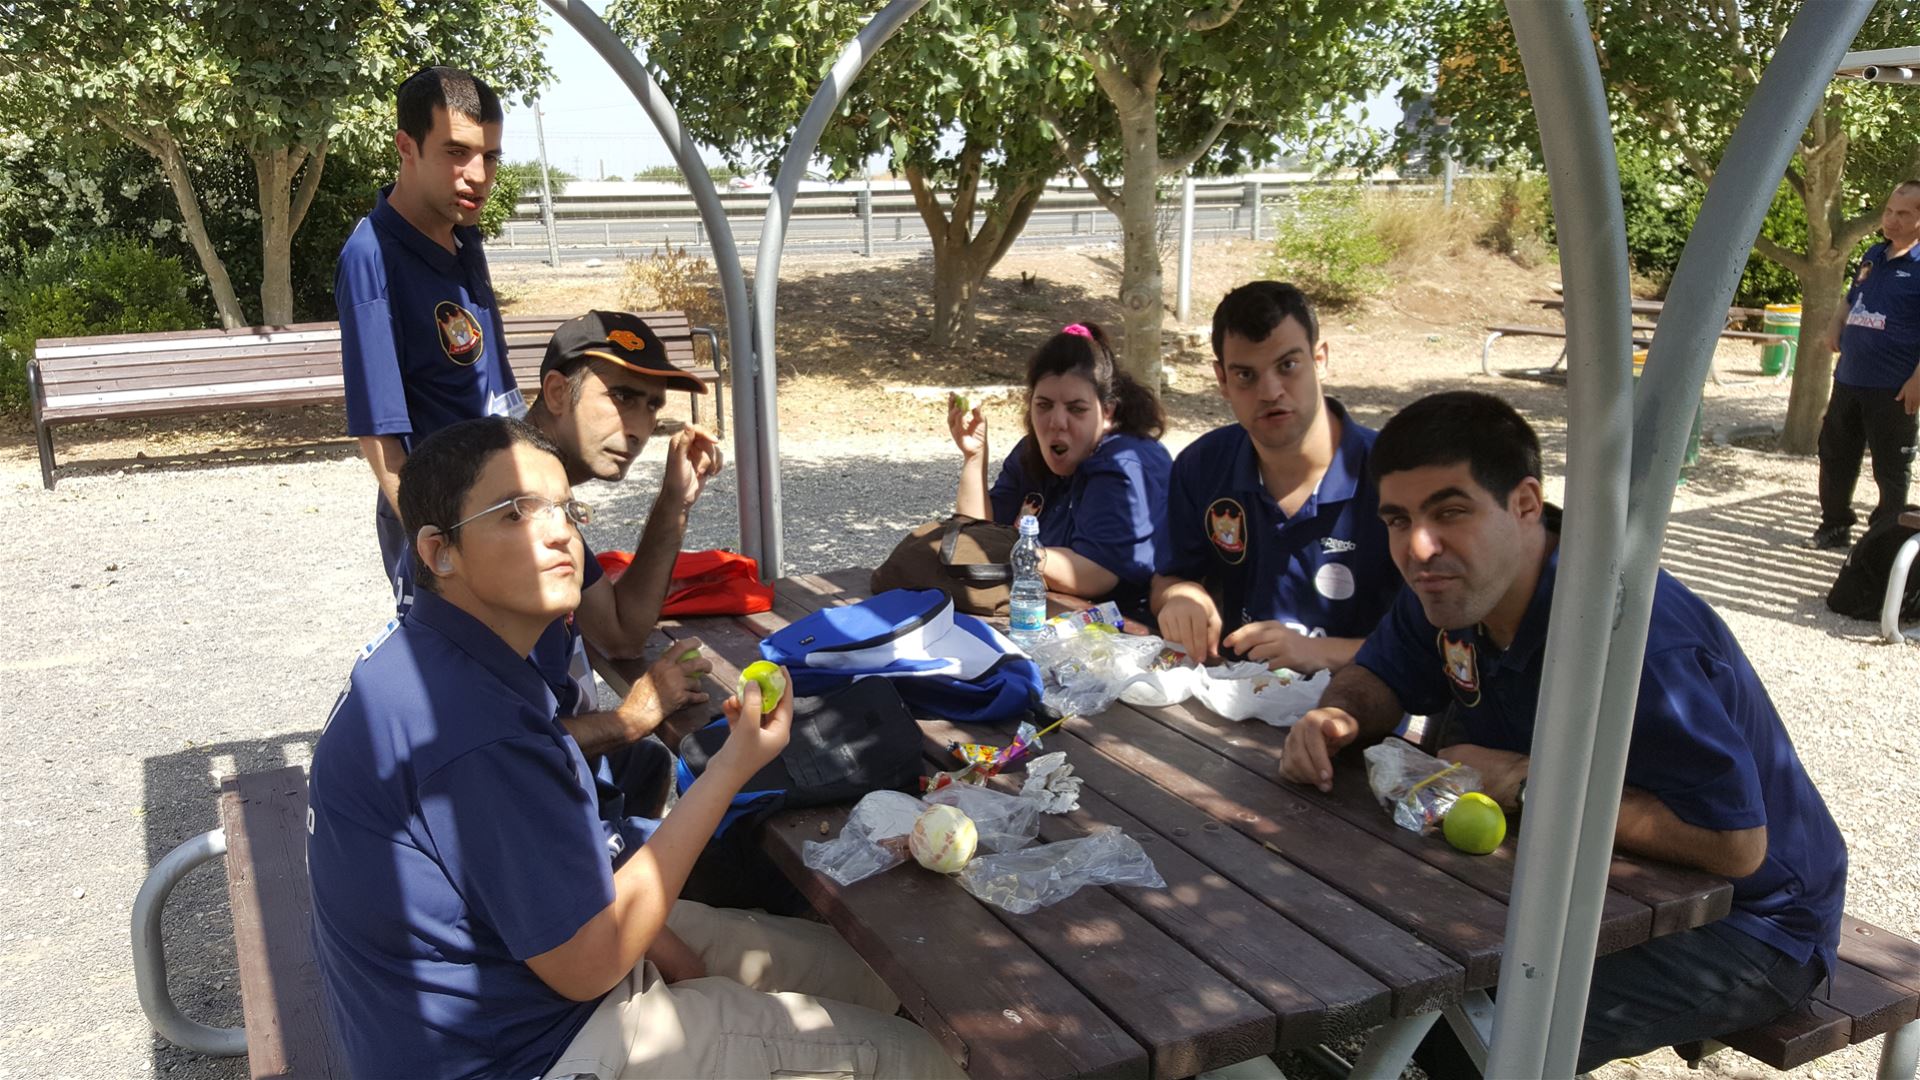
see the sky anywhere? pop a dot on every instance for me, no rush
(595, 128)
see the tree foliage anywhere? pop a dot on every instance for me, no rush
(185, 80)
(1678, 79)
(955, 101)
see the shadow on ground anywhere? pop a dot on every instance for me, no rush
(180, 798)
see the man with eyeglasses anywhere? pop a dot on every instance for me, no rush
(1270, 549)
(468, 915)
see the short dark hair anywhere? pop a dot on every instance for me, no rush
(1905, 184)
(441, 470)
(1496, 442)
(456, 90)
(1254, 309)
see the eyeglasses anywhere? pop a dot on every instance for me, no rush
(529, 507)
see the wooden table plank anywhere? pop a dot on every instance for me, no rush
(1316, 994)
(1625, 921)
(265, 818)
(998, 1007)
(1457, 919)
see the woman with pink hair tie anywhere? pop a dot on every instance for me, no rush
(1090, 468)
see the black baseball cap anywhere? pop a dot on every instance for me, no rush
(618, 338)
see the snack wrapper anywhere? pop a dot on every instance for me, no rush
(1415, 787)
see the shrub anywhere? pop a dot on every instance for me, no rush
(502, 202)
(1512, 213)
(1324, 244)
(670, 279)
(115, 287)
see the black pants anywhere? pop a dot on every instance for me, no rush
(1860, 419)
(1701, 984)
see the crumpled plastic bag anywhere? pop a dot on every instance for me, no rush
(1005, 822)
(1415, 787)
(1051, 784)
(874, 838)
(1243, 690)
(1026, 881)
(1085, 665)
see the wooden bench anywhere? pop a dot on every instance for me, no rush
(71, 380)
(1495, 333)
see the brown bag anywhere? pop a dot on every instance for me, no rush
(962, 556)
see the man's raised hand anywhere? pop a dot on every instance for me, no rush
(693, 458)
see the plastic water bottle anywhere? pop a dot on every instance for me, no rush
(1027, 606)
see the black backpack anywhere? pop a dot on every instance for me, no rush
(1861, 588)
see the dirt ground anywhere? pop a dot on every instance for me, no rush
(157, 503)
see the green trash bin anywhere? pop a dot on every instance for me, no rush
(1777, 357)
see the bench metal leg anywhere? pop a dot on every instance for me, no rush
(1900, 1053)
(1896, 585)
(1486, 353)
(1391, 1047)
(42, 433)
(150, 955)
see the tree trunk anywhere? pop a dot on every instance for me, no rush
(1821, 295)
(1140, 284)
(173, 165)
(281, 211)
(962, 258)
(956, 285)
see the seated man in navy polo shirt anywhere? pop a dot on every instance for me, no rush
(1270, 548)
(1712, 779)
(468, 919)
(421, 341)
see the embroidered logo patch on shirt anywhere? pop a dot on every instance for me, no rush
(460, 336)
(1462, 667)
(1227, 528)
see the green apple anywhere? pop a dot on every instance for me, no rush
(965, 403)
(1475, 824)
(690, 654)
(772, 683)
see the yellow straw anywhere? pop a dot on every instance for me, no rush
(1434, 777)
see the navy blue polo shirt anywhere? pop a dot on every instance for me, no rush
(453, 834)
(1325, 571)
(1108, 510)
(422, 345)
(1706, 742)
(1880, 345)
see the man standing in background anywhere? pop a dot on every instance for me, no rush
(421, 341)
(1876, 385)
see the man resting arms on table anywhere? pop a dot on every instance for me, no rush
(468, 920)
(1712, 779)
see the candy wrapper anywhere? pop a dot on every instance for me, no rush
(982, 762)
(1051, 784)
(1028, 880)
(1416, 788)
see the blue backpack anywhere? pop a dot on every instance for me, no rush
(942, 662)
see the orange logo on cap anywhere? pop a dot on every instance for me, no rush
(627, 339)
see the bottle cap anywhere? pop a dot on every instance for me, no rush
(1029, 525)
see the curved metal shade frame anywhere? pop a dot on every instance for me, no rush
(1624, 449)
(750, 322)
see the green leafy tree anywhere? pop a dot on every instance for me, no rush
(955, 101)
(184, 79)
(1679, 78)
(1214, 87)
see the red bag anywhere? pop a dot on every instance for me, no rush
(705, 583)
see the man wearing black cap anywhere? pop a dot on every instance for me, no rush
(602, 386)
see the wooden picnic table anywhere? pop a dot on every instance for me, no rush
(1290, 918)
(1650, 307)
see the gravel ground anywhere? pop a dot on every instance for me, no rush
(171, 623)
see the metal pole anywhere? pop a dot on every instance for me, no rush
(546, 187)
(1258, 196)
(1563, 77)
(1446, 179)
(150, 954)
(766, 274)
(1183, 292)
(1677, 365)
(726, 254)
(864, 203)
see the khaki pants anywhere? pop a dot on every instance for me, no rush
(783, 998)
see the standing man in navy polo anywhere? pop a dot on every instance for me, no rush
(421, 341)
(1271, 548)
(1876, 386)
(1712, 779)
